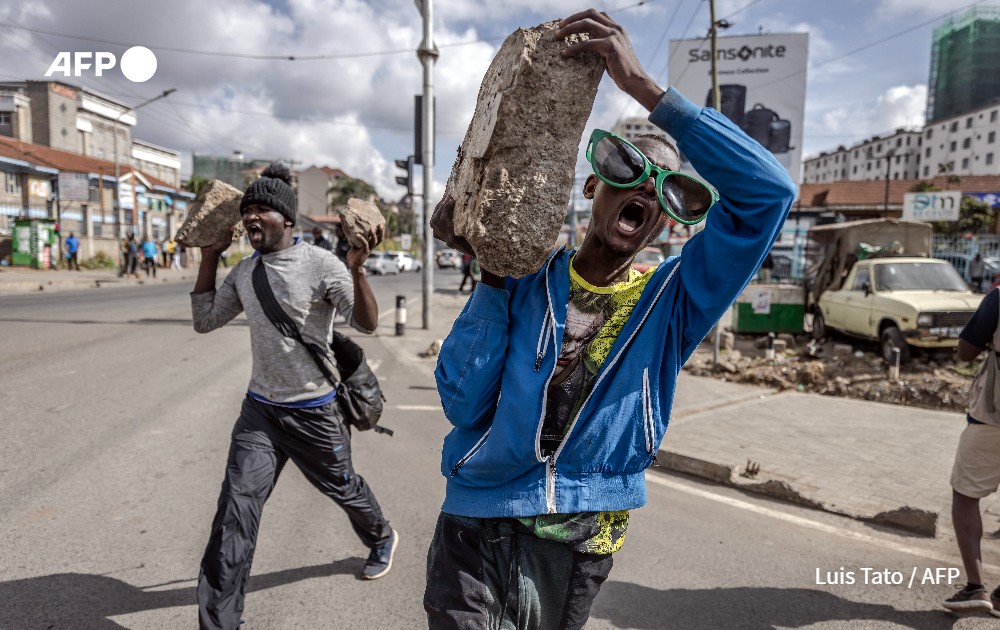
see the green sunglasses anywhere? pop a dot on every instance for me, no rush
(617, 162)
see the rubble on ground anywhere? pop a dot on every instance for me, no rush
(838, 369)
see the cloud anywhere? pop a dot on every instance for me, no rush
(899, 106)
(890, 9)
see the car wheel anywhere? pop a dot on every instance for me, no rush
(892, 338)
(819, 331)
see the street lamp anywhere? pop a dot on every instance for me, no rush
(114, 130)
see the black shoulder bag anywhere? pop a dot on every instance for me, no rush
(359, 396)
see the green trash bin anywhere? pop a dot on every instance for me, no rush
(34, 243)
(764, 308)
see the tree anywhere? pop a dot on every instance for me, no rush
(975, 216)
(195, 184)
(345, 188)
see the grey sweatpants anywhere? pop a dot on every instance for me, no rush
(264, 438)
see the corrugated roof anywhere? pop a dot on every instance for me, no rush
(872, 192)
(68, 162)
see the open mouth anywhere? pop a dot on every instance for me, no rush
(632, 217)
(254, 231)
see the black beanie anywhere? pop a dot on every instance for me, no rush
(274, 190)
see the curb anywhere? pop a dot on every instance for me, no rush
(35, 286)
(910, 519)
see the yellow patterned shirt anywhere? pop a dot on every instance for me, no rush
(594, 319)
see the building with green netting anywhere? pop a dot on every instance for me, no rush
(230, 169)
(965, 63)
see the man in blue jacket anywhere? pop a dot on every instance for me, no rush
(559, 384)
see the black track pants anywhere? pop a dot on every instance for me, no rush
(264, 438)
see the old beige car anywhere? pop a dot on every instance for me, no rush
(900, 302)
(875, 280)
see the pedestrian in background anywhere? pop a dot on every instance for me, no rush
(149, 256)
(977, 272)
(976, 472)
(132, 256)
(289, 411)
(559, 383)
(320, 241)
(467, 273)
(164, 253)
(175, 254)
(72, 248)
(343, 246)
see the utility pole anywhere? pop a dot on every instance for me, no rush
(428, 54)
(114, 130)
(885, 202)
(716, 97)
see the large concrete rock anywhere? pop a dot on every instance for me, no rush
(358, 218)
(512, 179)
(213, 213)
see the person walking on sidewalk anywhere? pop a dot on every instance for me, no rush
(175, 256)
(72, 249)
(977, 271)
(132, 256)
(976, 472)
(559, 384)
(149, 256)
(289, 411)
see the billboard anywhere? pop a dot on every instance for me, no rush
(762, 85)
(932, 206)
(74, 187)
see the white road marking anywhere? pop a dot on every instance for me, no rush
(419, 407)
(374, 363)
(659, 479)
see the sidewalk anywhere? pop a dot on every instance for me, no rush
(27, 280)
(881, 463)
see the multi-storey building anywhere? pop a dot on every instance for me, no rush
(897, 155)
(230, 169)
(314, 189)
(631, 126)
(965, 63)
(965, 144)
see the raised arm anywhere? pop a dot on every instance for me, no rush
(211, 308)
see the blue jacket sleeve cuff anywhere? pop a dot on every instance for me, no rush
(489, 303)
(674, 114)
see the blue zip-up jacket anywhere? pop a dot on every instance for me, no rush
(495, 366)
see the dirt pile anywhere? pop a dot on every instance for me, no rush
(834, 370)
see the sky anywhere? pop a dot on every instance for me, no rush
(346, 100)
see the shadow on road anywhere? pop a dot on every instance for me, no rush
(633, 606)
(78, 600)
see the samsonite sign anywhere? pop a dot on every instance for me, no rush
(762, 85)
(932, 206)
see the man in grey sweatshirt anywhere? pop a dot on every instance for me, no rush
(289, 411)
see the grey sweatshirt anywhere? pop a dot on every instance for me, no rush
(312, 286)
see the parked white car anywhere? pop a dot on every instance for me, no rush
(407, 261)
(381, 263)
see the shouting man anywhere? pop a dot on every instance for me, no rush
(289, 411)
(559, 384)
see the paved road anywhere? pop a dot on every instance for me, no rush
(116, 418)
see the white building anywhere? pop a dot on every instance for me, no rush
(314, 189)
(867, 160)
(631, 126)
(963, 145)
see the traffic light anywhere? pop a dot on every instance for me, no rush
(406, 180)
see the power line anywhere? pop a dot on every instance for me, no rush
(282, 57)
(742, 9)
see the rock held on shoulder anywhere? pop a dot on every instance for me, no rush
(214, 212)
(515, 169)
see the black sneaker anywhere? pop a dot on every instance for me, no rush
(380, 559)
(995, 600)
(969, 600)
